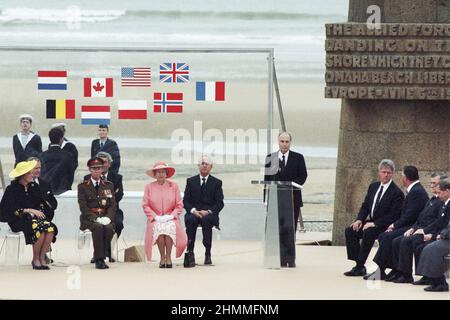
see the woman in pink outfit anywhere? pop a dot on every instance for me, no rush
(163, 205)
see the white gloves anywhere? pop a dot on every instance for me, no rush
(164, 218)
(103, 220)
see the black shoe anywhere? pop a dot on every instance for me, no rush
(112, 260)
(393, 275)
(208, 260)
(437, 288)
(100, 264)
(356, 272)
(35, 267)
(189, 260)
(404, 279)
(377, 275)
(291, 265)
(162, 265)
(422, 282)
(92, 260)
(168, 265)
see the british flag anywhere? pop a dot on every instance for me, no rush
(167, 102)
(173, 72)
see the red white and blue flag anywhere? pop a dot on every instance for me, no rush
(95, 115)
(98, 87)
(210, 91)
(136, 77)
(132, 109)
(52, 80)
(173, 72)
(167, 102)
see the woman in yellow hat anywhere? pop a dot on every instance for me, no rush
(24, 209)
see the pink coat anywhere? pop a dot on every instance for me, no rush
(159, 200)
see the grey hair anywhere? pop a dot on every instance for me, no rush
(441, 175)
(387, 163)
(209, 160)
(33, 158)
(285, 132)
(444, 184)
(103, 154)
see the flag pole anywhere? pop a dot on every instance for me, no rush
(270, 102)
(277, 91)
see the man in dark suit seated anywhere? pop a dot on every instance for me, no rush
(203, 201)
(411, 243)
(432, 263)
(381, 206)
(415, 200)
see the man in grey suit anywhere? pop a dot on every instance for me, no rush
(432, 260)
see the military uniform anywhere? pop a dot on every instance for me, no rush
(96, 203)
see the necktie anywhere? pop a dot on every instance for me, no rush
(96, 185)
(202, 187)
(102, 144)
(377, 202)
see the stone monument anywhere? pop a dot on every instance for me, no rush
(394, 82)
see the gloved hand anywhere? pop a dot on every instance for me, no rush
(168, 217)
(103, 220)
(159, 218)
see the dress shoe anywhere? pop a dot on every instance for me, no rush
(162, 265)
(404, 279)
(208, 260)
(92, 260)
(189, 260)
(377, 275)
(393, 275)
(437, 288)
(356, 272)
(100, 264)
(424, 281)
(168, 265)
(112, 260)
(35, 267)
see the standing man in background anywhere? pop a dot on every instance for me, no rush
(26, 143)
(68, 147)
(106, 145)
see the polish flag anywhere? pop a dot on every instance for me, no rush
(132, 109)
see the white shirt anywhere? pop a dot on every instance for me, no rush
(286, 156)
(201, 179)
(95, 181)
(412, 185)
(385, 186)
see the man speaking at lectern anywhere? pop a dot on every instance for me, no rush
(287, 165)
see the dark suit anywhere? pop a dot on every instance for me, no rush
(110, 147)
(57, 169)
(414, 202)
(70, 148)
(404, 248)
(102, 200)
(294, 170)
(384, 214)
(32, 149)
(211, 198)
(432, 263)
(116, 180)
(47, 195)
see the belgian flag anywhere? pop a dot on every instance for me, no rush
(61, 109)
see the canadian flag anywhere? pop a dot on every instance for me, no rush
(98, 87)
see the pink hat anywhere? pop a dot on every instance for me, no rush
(160, 165)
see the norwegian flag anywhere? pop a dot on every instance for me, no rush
(173, 72)
(167, 102)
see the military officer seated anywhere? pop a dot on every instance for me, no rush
(98, 209)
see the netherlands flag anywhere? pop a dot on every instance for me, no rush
(210, 91)
(132, 109)
(52, 80)
(95, 115)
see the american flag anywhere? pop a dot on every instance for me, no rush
(173, 72)
(136, 77)
(167, 102)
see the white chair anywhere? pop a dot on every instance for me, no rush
(13, 246)
(84, 240)
(215, 232)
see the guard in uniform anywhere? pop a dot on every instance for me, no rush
(98, 209)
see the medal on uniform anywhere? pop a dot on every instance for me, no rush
(103, 202)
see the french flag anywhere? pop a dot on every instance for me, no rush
(210, 91)
(52, 80)
(95, 115)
